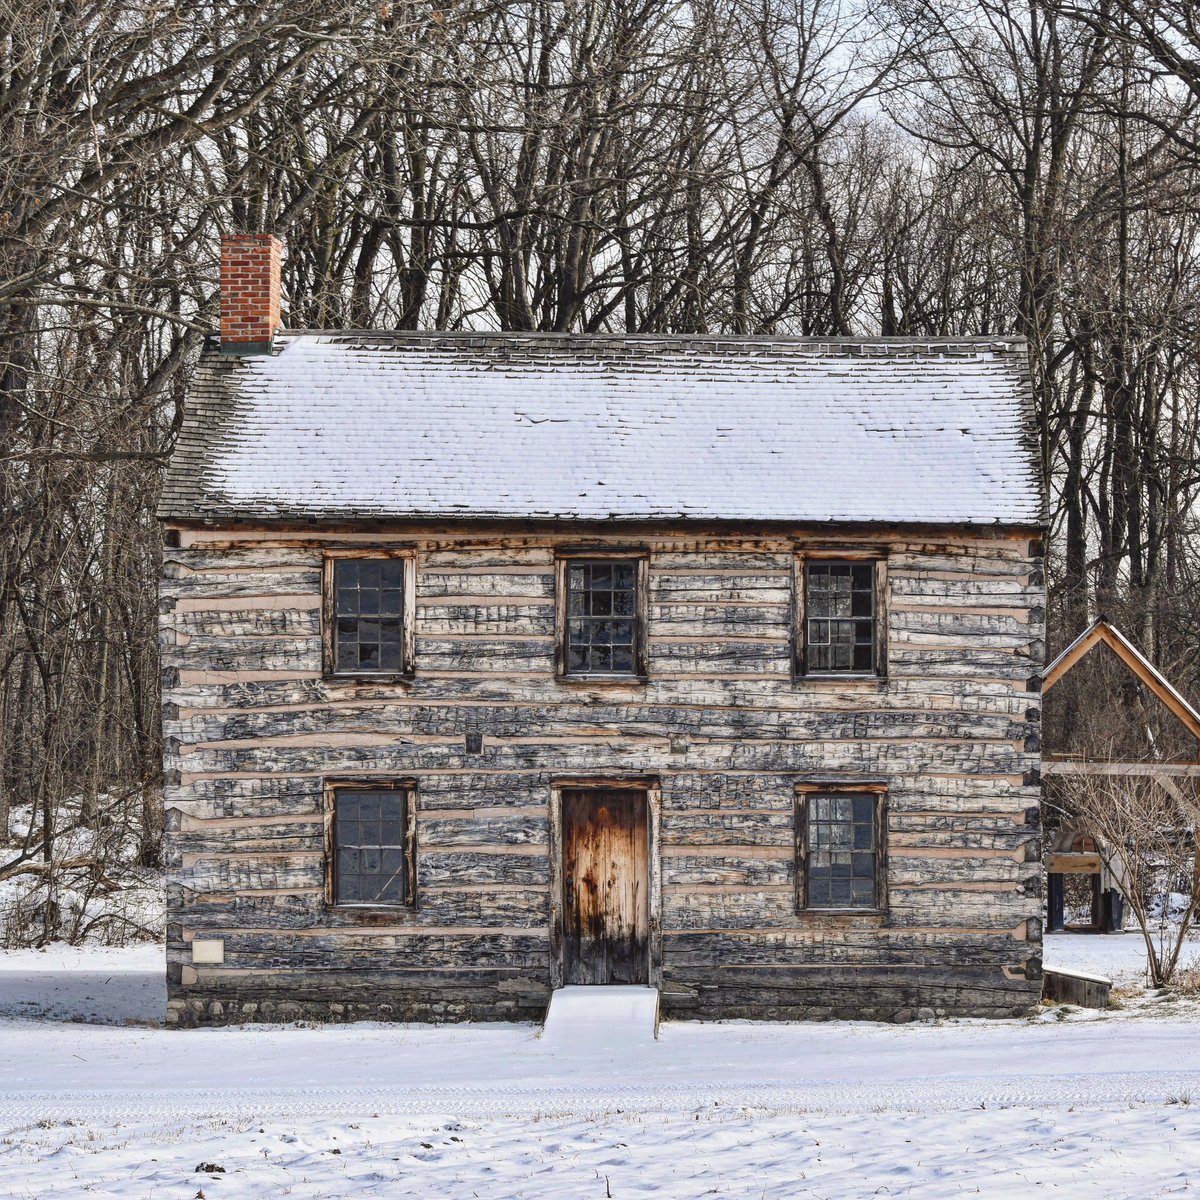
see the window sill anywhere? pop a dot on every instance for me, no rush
(374, 914)
(593, 680)
(861, 682)
(369, 676)
(866, 918)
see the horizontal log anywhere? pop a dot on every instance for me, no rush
(220, 584)
(420, 993)
(478, 654)
(773, 588)
(905, 870)
(965, 694)
(446, 868)
(230, 873)
(1019, 662)
(741, 561)
(623, 754)
(720, 620)
(929, 588)
(249, 623)
(889, 947)
(278, 653)
(494, 620)
(415, 719)
(382, 953)
(529, 585)
(451, 908)
(728, 867)
(900, 640)
(199, 559)
(702, 657)
(991, 561)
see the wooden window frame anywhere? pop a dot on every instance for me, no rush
(408, 616)
(563, 558)
(877, 556)
(803, 794)
(361, 784)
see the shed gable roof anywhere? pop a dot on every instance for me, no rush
(564, 427)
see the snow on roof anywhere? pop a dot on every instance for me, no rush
(566, 427)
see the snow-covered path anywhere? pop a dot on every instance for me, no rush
(472, 1071)
(1082, 1107)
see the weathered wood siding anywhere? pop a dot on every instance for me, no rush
(253, 731)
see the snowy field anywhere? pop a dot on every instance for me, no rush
(97, 1100)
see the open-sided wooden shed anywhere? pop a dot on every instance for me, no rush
(497, 661)
(1074, 851)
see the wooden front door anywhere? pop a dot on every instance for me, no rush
(606, 892)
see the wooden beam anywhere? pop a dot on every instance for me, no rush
(1135, 660)
(1069, 766)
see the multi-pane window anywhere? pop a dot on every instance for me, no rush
(839, 609)
(368, 603)
(601, 634)
(840, 844)
(370, 846)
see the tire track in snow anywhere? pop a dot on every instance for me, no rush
(919, 1094)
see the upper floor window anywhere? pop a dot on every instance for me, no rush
(601, 617)
(841, 630)
(839, 842)
(368, 613)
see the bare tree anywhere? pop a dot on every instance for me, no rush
(1144, 827)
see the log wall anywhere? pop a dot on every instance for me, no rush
(252, 731)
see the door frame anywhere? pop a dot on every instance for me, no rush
(653, 792)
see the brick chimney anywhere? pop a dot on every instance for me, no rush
(250, 292)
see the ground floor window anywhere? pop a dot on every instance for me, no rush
(839, 847)
(370, 844)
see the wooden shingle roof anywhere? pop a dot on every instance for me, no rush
(565, 427)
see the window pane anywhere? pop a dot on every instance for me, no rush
(839, 601)
(369, 834)
(365, 642)
(842, 854)
(602, 630)
(862, 893)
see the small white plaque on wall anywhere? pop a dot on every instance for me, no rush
(208, 950)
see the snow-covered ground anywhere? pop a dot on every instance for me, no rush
(97, 1100)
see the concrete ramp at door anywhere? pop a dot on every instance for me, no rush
(601, 1017)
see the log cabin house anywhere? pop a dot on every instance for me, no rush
(493, 662)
